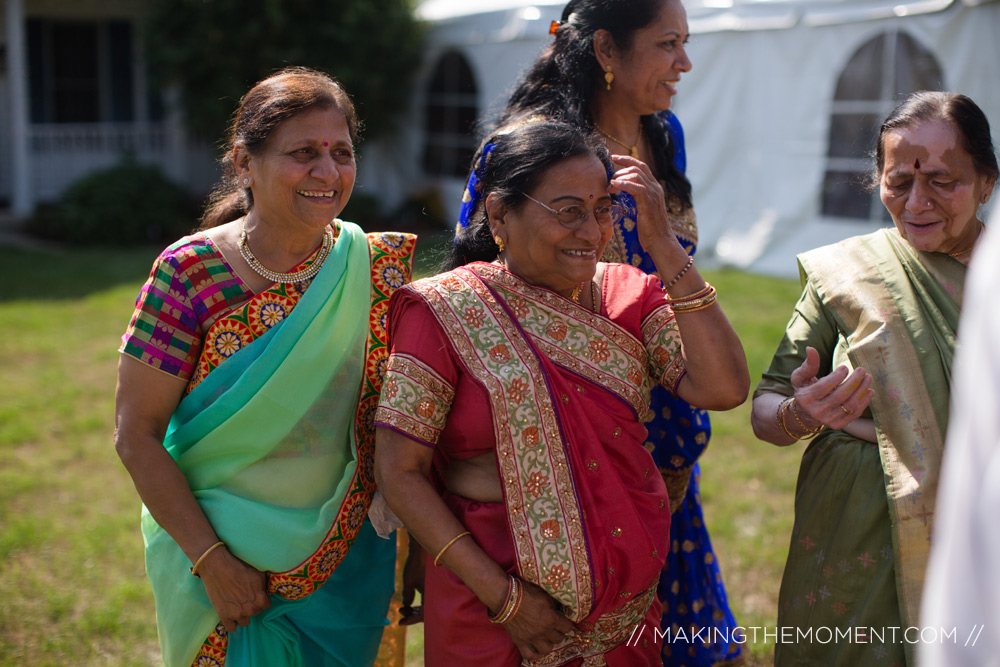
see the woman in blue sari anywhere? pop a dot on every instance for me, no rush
(612, 68)
(246, 384)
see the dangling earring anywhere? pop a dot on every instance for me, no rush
(499, 242)
(609, 76)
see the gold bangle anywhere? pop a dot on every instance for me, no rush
(515, 592)
(700, 294)
(781, 418)
(194, 568)
(445, 547)
(702, 304)
(808, 431)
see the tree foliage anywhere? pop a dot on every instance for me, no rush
(215, 50)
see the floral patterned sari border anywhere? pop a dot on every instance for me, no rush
(543, 511)
(391, 260)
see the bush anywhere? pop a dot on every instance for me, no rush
(213, 51)
(125, 205)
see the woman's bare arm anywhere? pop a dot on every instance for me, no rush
(402, 467)
(144, 401)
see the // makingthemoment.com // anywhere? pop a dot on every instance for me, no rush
(793, 635)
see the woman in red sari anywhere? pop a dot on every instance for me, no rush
(510, 432)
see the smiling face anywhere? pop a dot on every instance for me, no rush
(646, 75)
(537, 247)
(305, 173)
(931, 188)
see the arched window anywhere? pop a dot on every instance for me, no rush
(879, 75)
(450, 117)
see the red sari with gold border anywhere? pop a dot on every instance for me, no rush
(585, 512)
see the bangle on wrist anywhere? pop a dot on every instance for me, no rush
(781, 418)
(807, 432)
(515, 592)
(700, 300)
(194, 568)
(447, 546)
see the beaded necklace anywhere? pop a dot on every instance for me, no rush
(306, 273)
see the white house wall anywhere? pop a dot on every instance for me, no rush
(61, 153)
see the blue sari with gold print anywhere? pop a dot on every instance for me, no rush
(695, 606)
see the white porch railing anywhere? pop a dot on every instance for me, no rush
(61, 153)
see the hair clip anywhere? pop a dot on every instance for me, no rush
(553, 27)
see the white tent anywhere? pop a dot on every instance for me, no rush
(773, 110)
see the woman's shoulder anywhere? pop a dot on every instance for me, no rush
(877, 241)
(397, 244)
(190, 249)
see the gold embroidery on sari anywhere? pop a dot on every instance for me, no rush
(659, 331)
(419, 398)
(590, 641)
(534, 468)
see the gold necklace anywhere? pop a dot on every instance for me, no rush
(575, 295)
(962, 252)
(633, 150)
(308, 272)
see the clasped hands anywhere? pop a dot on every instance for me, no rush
(236, 590)
(538, 626)
(834, 400)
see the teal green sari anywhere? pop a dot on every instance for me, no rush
(271, 445)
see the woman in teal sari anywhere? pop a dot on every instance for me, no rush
(246, 384)
(865, 367)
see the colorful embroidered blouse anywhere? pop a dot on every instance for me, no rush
(189, 287)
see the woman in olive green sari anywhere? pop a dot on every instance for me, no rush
(865, 367)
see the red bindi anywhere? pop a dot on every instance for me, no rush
(325, 144)
(916, 164)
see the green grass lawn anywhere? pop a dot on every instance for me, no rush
(72, 582)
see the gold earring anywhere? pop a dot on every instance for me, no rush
(609, 76)
(499, 242)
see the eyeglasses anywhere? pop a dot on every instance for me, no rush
(574, 215)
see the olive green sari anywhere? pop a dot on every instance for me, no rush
(863, 511)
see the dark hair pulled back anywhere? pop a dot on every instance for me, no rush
(956, 109)
(519, 159)
(269, 103)
(562, 81)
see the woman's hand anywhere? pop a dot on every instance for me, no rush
(537, 627)
(834, 400)
(653, 224)
(413, 581)
(236, 590)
